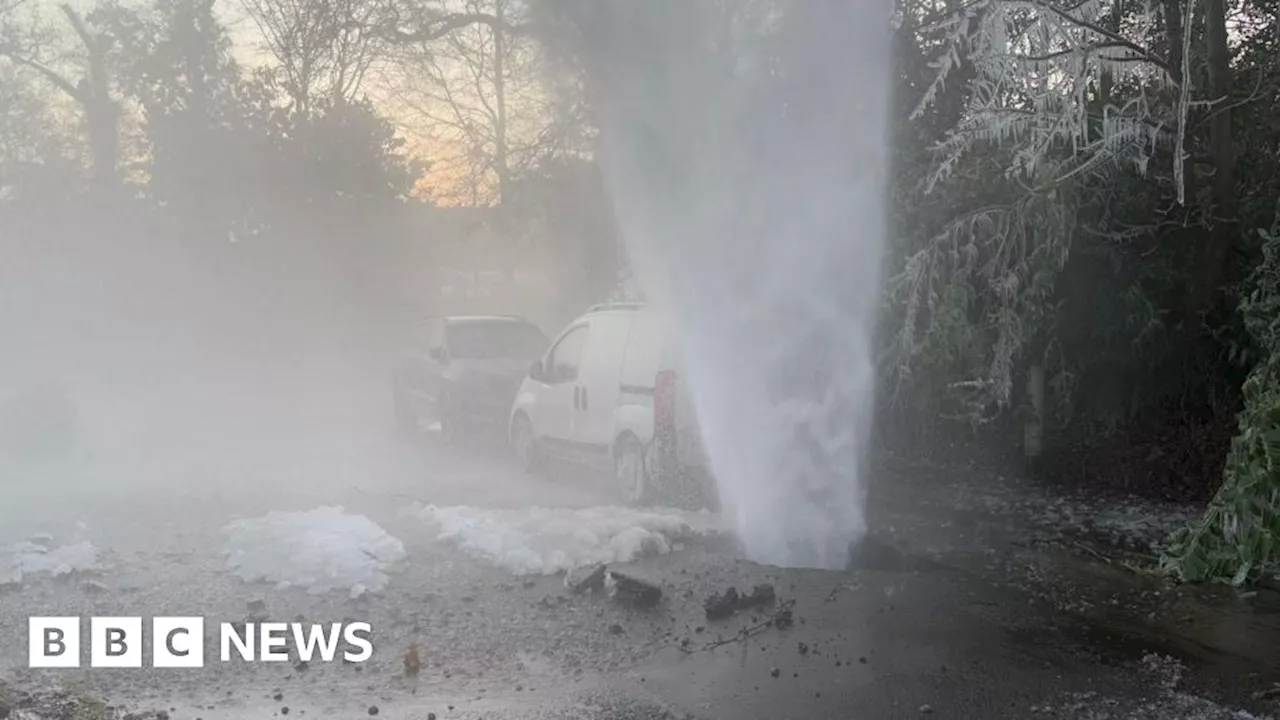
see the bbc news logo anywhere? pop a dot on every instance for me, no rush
(178, 642)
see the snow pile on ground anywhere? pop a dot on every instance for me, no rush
(320, 550)
(28, 558)
(545, 541)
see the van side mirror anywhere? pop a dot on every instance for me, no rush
(535, 370)
(438, 354)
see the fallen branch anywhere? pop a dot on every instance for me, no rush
(1092, 552)
(780, 618)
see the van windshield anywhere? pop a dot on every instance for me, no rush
(495, 339)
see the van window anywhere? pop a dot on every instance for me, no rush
(564, 360)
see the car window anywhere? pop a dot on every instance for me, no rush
(564, 360)
(495, 340)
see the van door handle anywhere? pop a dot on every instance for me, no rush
(584, 398)
(577, 395)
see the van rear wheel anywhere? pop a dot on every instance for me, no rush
(629, 472)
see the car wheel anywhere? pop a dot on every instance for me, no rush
(630, 474)
(524, 444)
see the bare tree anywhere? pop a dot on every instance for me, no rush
(91, 91)
(477, 91)
(408, 22)
(324, 49)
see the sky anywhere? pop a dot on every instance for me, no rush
(440, 182)
(446, 176)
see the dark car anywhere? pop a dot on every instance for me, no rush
(463, 372)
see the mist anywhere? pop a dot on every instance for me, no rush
(190, 365)
(618, 359)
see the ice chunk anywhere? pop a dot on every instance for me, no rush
(26, 558)
(320, 550)
(545, 541)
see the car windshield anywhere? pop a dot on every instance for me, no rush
(494, 339)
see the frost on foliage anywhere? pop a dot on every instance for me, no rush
(545, 541)
(1037, 65)
(26, 558)
(320, 550)
(1035, 106)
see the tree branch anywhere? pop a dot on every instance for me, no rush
(437, 26)
(1092, 49)
(51, 75)
(1118, 40)
(73, 18)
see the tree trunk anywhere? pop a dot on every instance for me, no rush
(1033, 428)
(102, 121)
(500, 103)
(1173, 30)
(1215, 254)
(102, 113)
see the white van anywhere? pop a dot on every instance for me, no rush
(609, 395)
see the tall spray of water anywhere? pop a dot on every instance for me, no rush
(744, 144)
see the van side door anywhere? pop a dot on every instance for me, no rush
(552, 412)
(646, 350)
(598, 386)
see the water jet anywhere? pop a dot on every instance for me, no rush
(744, 145)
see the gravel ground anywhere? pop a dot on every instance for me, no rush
(963, 606)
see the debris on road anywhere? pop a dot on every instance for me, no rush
(412, 662)
(550, 602)
(761, 596)
(585, 581)
(719, 606)
(257, 611)
(784, 619)
(781, 618)
(632, 590)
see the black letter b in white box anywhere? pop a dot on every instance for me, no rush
(53, 642)
(115, 642)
